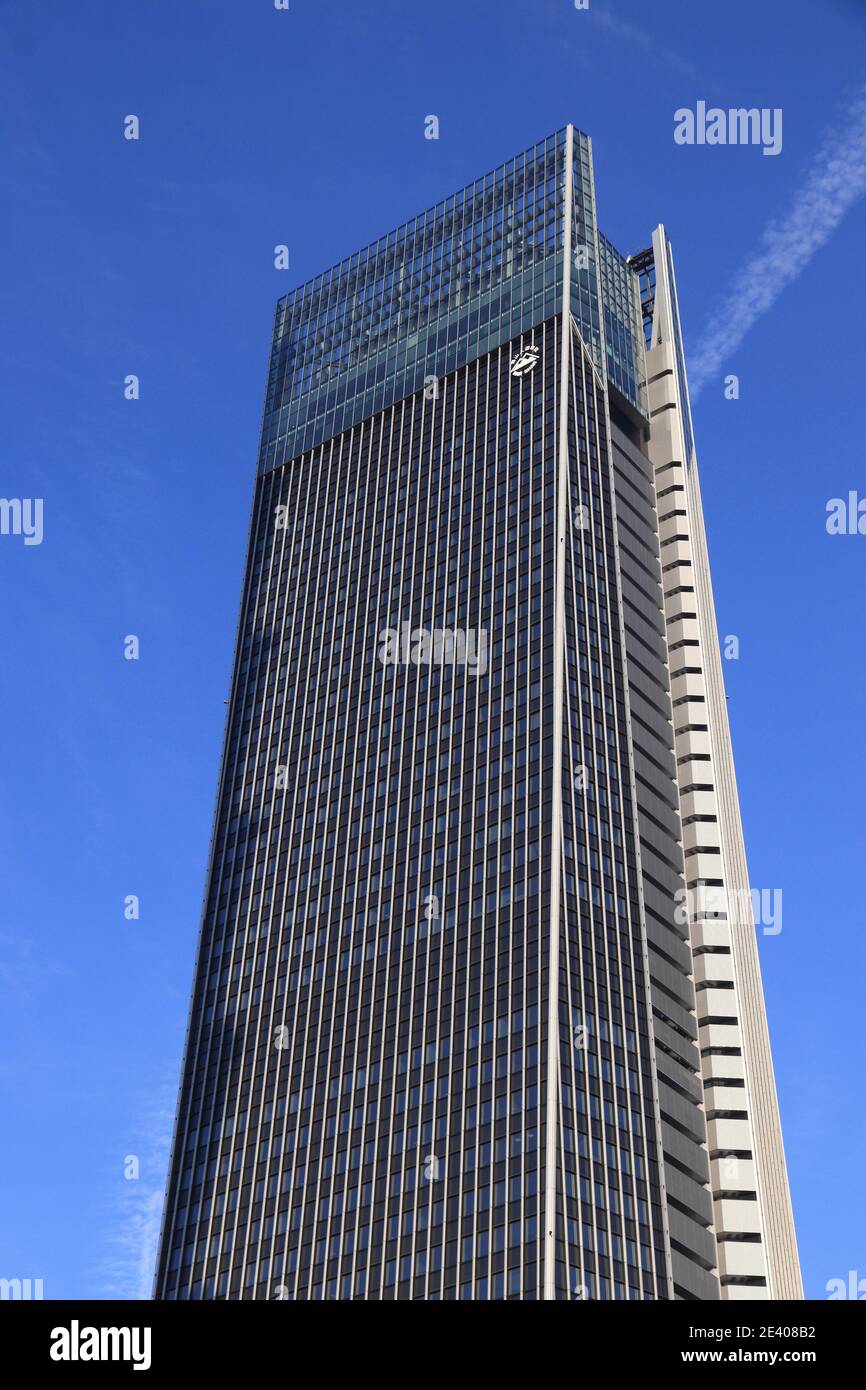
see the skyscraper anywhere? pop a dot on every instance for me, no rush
(477, 1010)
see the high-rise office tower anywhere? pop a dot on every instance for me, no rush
(477, 1010)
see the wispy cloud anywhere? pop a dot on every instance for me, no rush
(835, 181)
(626, 30)
(128, 1271)
(126, 1267)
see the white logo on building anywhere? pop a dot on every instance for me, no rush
(525, 360)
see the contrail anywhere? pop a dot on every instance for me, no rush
(835, 182)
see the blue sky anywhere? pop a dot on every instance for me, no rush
(155, 257)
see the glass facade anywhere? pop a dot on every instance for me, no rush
(427, 836)
(623, 326)
(471, 273)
